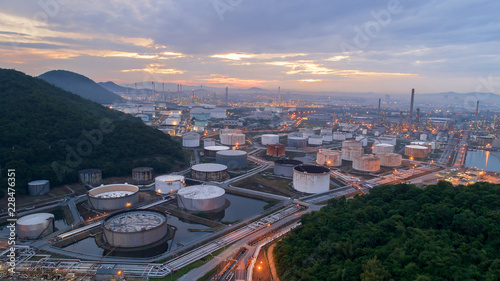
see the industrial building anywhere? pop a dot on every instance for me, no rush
(169, 183)
(276, 150)
(209, 172)
(211, 151)
(233, 159)
(201, 198)
(329, 158)
(191, 139)
(349, 153)
(311, 178)
(391, 160)
(90, 177)
(35, 226)
(142, 175)
(39, 187)
(284, 167)
(113, 197)
(366, 163)
(270, 139)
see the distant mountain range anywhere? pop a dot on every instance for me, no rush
(80, 85)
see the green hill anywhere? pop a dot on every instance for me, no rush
(399, 232)
(80, 85)
(48, 133)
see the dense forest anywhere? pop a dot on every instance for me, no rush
(48, 133)
(80, 85)
(399, 232)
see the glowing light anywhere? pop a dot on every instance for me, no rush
(128, 205)
(159, 191)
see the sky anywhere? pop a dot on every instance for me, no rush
(385, 46)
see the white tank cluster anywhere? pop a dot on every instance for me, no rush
(315, 140)
(350, 153)
(232, 139)
(201, 198)
(39, 187)
(329, 158)
(35, 226)
(169, 183)
(367, 163)
(233, 159)
(191, 139)
(416, 151)
(113, 197)
(270, 139)
(383, 148)
(209, 172)
(211, 151)
(391, 160)
(311, 178)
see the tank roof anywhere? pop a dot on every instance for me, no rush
(217, 147)
(297, 138)
(270, 135)
(201, 192)
(134, 221)
(352, 148)
(417, 146)
(168, 178)
(37, 182)
(114, 194)
(311, 169)
(232, 153)
(384, 144)
(34, 218)
(209, 167)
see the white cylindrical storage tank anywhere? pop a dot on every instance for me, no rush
(284, 167)
(308, 133)
(35, 226)
(113, 197)
(232, 139)
(233, 159)
(349, 153)
(339, 136)
(201, 198)
(367, 163)
(311, 178)
(423, 137)
(270, 139)
(327, 137)
(390, 159)
(142, 175)
(383, 148)
(416, 151)
(191, 139)
(39, 187)
(315, 140)
(208, 142)
(296, 142)
(348, 135)
(329, 158)
(211, 151)
(209, 172)
(326, 131)
(352, 143)
(169, 183)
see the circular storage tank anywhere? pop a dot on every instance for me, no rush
(211, 151)
(367, 163)
(383, 148)
(422, 143)
(329, 158)
(349, 153)
(339, 136)
(352, 143)
(315, 140)
(311, 178)
(191, 139)
(275, 149)
(326, 131)
(35, 226)
(390, 159)
(208, 142)
(233, 159)
(232, 139)
(270, 139)
(285, 167)
(137, 228)
(201, 198)
(169, 183)
(39, 187)
(295, 134)
(91, 177)
(307, 133)
(142, 175)
(296, 142)
(327, 137)
(416, 151)
(209, 172)
(113, 197)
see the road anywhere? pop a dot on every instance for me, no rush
(270, 258)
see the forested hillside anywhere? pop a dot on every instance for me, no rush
(399, 233)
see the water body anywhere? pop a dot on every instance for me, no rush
(242, 207)
(483, 160)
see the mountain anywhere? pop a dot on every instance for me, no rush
(80, 85)
(48, 133)
(257, 89)
(113, 87)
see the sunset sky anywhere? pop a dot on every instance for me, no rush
(316, 45)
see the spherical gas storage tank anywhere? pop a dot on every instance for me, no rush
(390, 159)
(201, 198)
(35, 226)
(136, 228)
(349, 153)
(92, 177)
(275, 150)
(169, 183)
(383, 148)
(296, 142)
(233, 159)
(352, 143)
(142, 175)
(211, 151)
(367, 163)
(284, 167)
(416, 151)
(208, 142)
(270, 139)
(311, 178)
(329, 158)
(232, 139)
(113, 197)
(209, 172)
(315, 140)
(39, 187)
(191, 139)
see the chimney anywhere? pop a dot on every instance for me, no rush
(410, 118)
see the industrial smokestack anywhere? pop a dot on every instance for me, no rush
(477, 113)
(410, 118)
(378, 112)
(227, 96)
